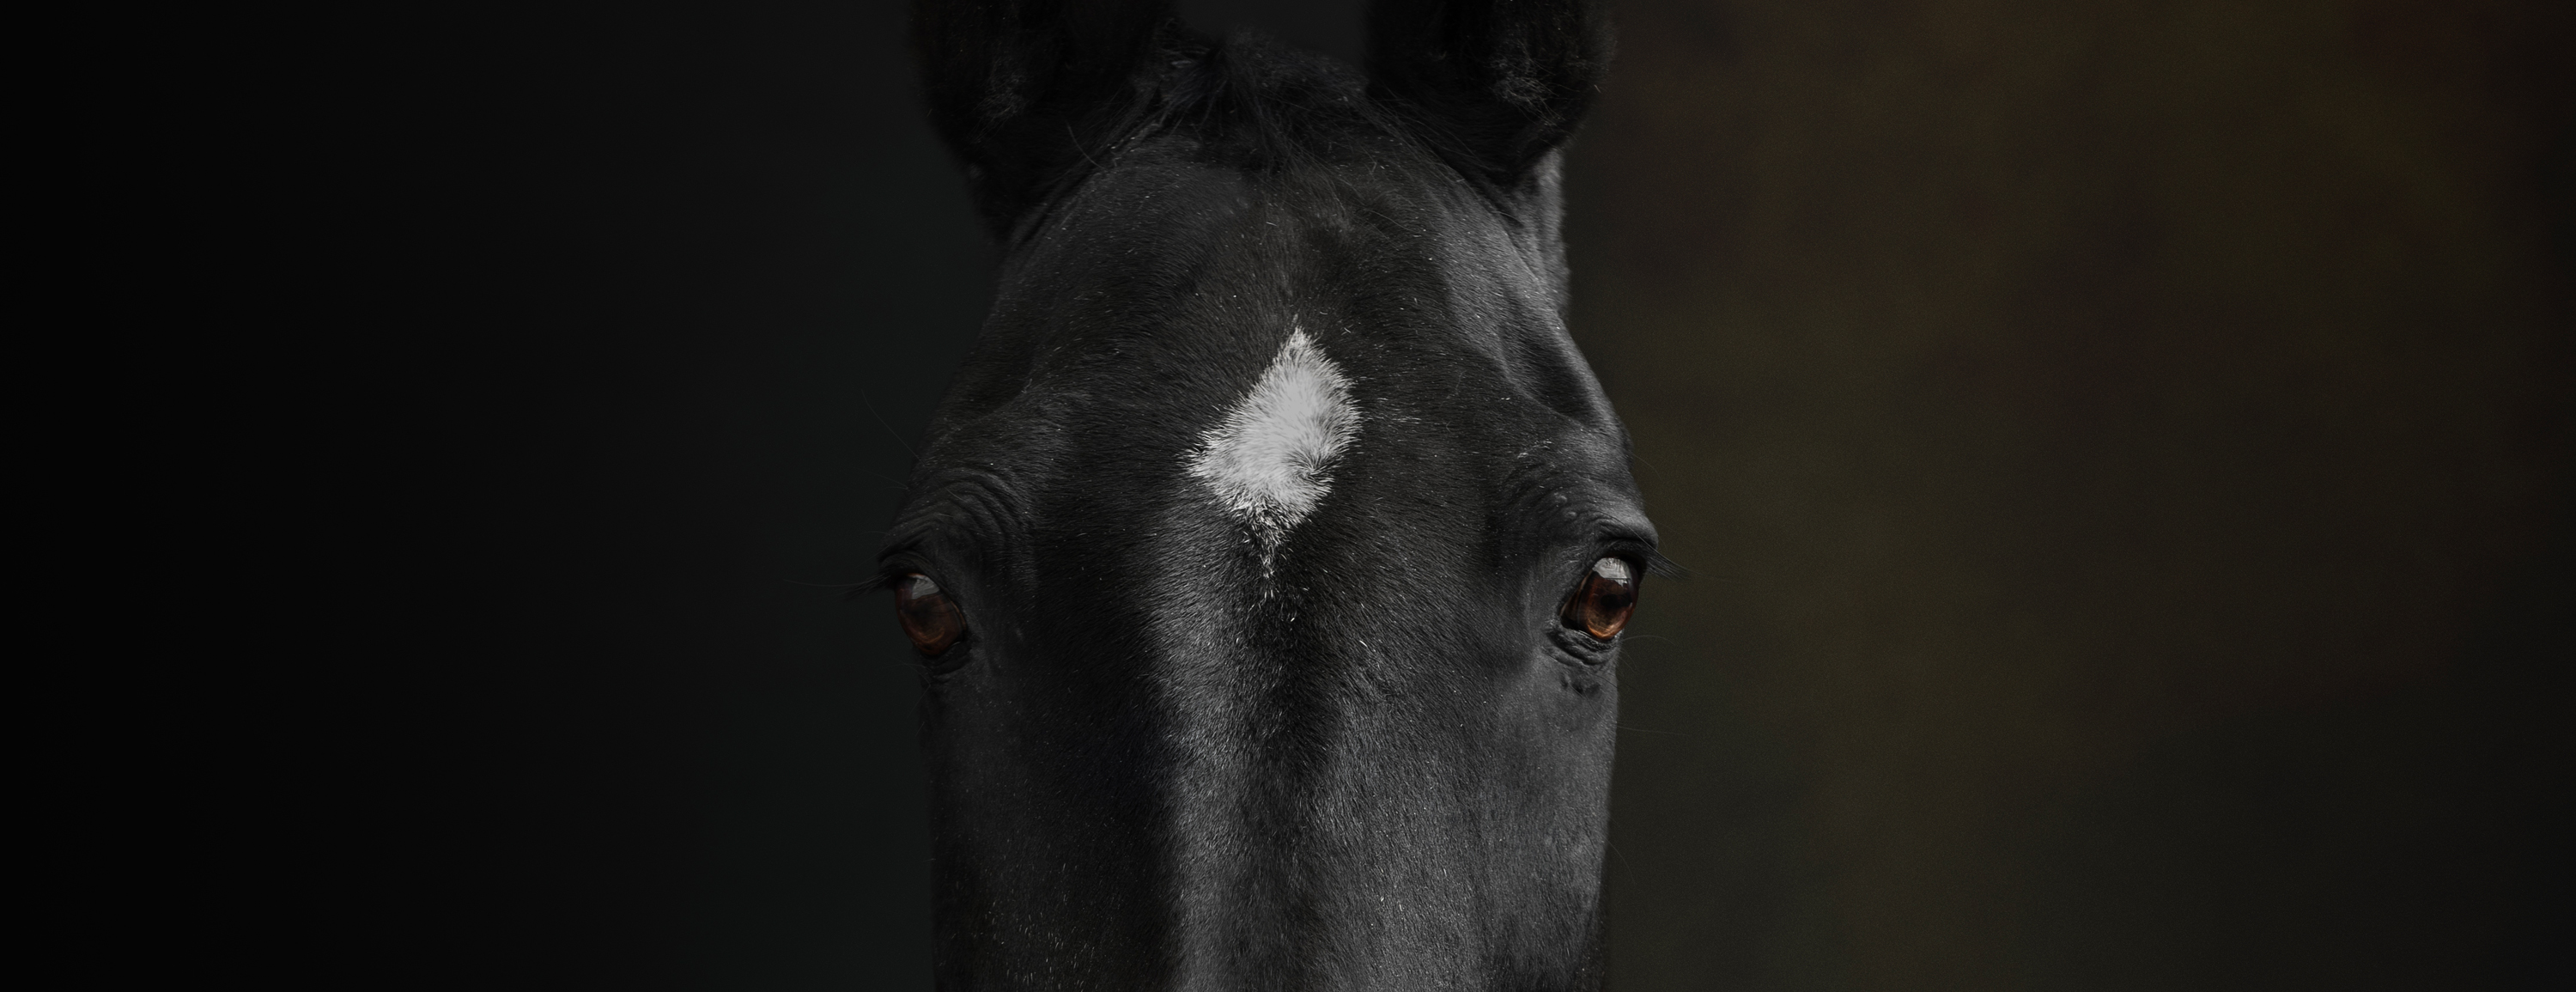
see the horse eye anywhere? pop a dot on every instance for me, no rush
(1604, 599)
(927, 616)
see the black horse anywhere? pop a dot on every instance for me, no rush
(1270, 552)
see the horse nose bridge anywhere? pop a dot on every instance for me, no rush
(1298, 809)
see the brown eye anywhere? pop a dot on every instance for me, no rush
(1602, 602)
(927, 616)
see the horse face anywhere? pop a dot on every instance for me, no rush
(1272, 546)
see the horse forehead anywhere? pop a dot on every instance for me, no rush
(1188, 271)
(1240, 338)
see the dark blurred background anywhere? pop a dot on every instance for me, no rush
(2121, 451)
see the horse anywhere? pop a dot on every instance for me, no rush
(1270, 553)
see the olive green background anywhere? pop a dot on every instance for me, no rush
(2120, 452)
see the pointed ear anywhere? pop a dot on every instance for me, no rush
(1024, 90)
(1503, 82)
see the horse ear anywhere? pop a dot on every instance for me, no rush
(1501, 82)
(1022, 90)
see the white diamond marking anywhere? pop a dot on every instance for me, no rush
(1269, 462)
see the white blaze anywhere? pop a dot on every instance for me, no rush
(1269, 461)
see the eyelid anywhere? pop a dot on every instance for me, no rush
(1645, 558)
(893, 566)
(1638, 552)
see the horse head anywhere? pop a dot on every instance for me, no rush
(1270, 551)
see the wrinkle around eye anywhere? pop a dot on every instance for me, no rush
(1567, 506)
(959, 511)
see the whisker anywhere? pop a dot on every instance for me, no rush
(881, 422)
